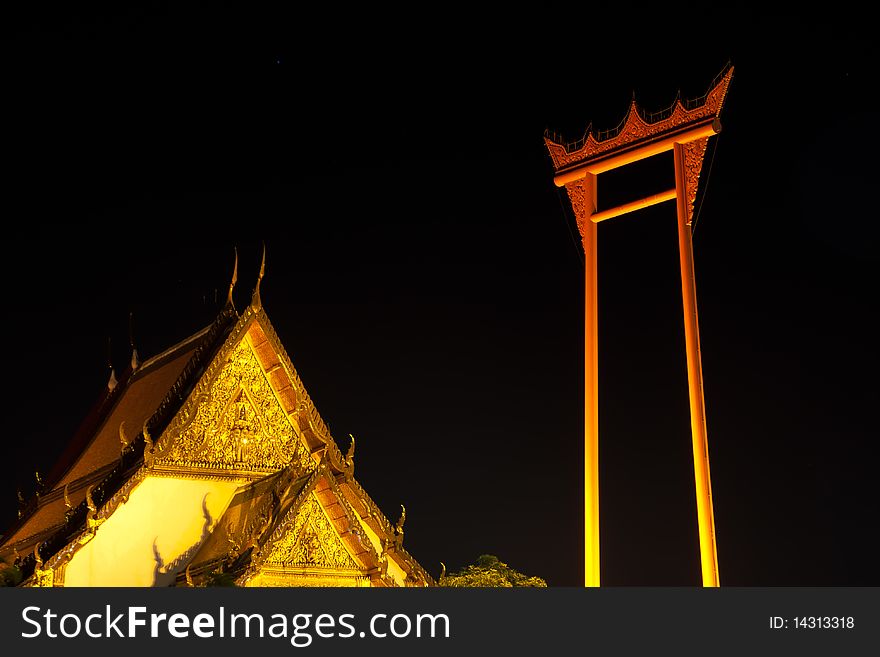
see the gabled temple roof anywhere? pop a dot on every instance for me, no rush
(95, 447)
(163, 396)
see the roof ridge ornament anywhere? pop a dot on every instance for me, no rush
(349, 455)
(682, 113)
(123, 440)
(233, 281)
(398, 528)
(92, 521)
(135, 359)
(256, 302)
(111, 382)
(149, 448)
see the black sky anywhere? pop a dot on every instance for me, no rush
(422, 272)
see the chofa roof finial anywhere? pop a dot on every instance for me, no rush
(135, 359)
(256, 302)
(349, 455)
(233, 281)
(111, 382)
(399, 526)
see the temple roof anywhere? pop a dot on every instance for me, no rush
(94, 456)
(159, 400)
(95, 447)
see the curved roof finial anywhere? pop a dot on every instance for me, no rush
(90, 503)
(111, 382)
(399, 526)
(256, 302)
(349, 455)
(233, 281)
(149, 447)
(123, 439)
(135, 359)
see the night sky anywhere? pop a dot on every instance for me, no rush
(425, 274)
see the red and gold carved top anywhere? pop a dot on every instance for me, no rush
(640, 126)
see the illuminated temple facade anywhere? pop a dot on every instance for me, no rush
(206, 463)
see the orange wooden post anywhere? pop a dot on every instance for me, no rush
(589, 236)
(684, 129)
(705, 512)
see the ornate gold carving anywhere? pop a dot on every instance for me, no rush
(67, 504)
(311, 542)
(693, 153)
(233, 400)
(398, 528)
(256, 302)
(64, 555)
(307, 578)
(382, 524)
(265, 521)
(305, 412)
(123, 439)
(42, 577)
(233, 281)
(38, 490)
(149, 448)
(635, 128)
(580, 193)
(92, 520)
(383, 569)
(237, 424)
(349, 455)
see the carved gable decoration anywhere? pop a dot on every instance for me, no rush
(312, 542)
(233, 422)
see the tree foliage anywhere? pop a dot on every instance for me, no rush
(489, 571)
(220, 578)
(10, 575)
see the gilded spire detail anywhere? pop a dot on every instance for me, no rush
(398, 528)
(256, 302)
(135, 359)
(149, 447)
(42, 578)
(349, 455)
(92, 522)
(233, 281)
(123, 440)
(111, 382)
